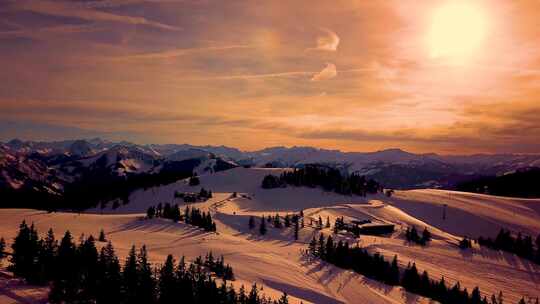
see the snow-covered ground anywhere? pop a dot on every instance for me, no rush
(275, 260)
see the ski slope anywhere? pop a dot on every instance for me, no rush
(275, 260)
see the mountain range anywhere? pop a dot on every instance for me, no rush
(34, 171)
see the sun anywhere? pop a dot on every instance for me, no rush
(457, 31)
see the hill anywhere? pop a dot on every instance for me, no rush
(521, 183)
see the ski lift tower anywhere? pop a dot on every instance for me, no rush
(444, 212)
(444, 207)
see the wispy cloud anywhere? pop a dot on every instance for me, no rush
(71, 9)
(181, 52)
(328, 72)
(117, 3)
(257, 76)
(327, 42)
(40, 33)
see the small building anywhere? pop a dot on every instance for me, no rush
(376, 229)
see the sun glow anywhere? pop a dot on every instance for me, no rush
(457, 32)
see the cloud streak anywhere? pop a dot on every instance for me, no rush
(327, 73)
(71, 9)
(181, 52)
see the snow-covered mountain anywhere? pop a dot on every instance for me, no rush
(397, 168)
(49, 166)
(44, 171)
(23, 177)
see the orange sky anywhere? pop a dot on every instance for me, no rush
(350, 75)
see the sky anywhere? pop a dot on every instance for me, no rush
(426, 76)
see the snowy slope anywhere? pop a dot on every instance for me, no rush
(275, 260)
(277, 265)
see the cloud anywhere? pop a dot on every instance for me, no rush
(328, 42)
(118, 3)
(181, 52)
(70, 9)
(328, 72)
(122, 65)
(41, 33)
(255, 76)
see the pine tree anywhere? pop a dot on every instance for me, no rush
(151, 212)
(411, 279)
(321, 250)
(476, 297)
(187, 215)
(277, 221)
(313, 246)
(242, 297)
(425, 284)
(167, 211)
(426, 236)
(253, 297)
(329, 250)
(146, 289)
(287, 221)
(47, 256)
(393, 275)
(262, 227)
(319, 223)
(284, 299)
(130, 277)
(232, 297)
(537, 241)
(327, 222)
(65, 285)
(175, 216)
(102, 236)
(251, 222)
(210, 225)
(356, 230)
(167, 282)
(296, 228)
(109, 277)
(465, 243)
(2, 249)
(87, 260)
(25, 251)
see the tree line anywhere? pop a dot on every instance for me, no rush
(520, 245)
(202, 196)
(411, 234)
(217, 266)
(330, 179)
(522, 183)
(376, 267)
(97, 186)
(191, 216)
(79, 273)
(296, 220)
